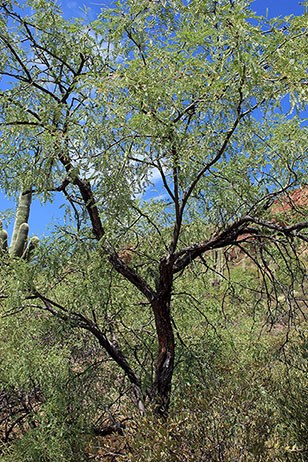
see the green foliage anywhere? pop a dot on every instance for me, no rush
(238, 400)
(30, 367)
(237, 392)
(188, 98)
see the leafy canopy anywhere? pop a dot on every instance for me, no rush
(193, 94)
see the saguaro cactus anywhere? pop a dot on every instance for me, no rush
(19, 246)
(21, 227)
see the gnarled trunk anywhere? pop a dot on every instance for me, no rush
(161, 388)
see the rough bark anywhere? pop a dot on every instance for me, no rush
(161, 388)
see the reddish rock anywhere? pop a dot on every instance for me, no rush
(293, 205)
(285, 210)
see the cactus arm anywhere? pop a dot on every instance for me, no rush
(20, 243)
(34, 241)
(3, 240)
(20, 231)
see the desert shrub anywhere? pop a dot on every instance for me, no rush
(44, 405)
(246, 402)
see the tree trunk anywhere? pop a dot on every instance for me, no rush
(161, 388)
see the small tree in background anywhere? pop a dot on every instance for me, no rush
(204, 97)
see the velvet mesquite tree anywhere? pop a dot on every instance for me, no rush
(201, 98)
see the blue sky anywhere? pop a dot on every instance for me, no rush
(275, 7)
(44, 217)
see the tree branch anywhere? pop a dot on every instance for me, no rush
(84, 323)
(131, 275)
(221, 151)
(229, 236)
